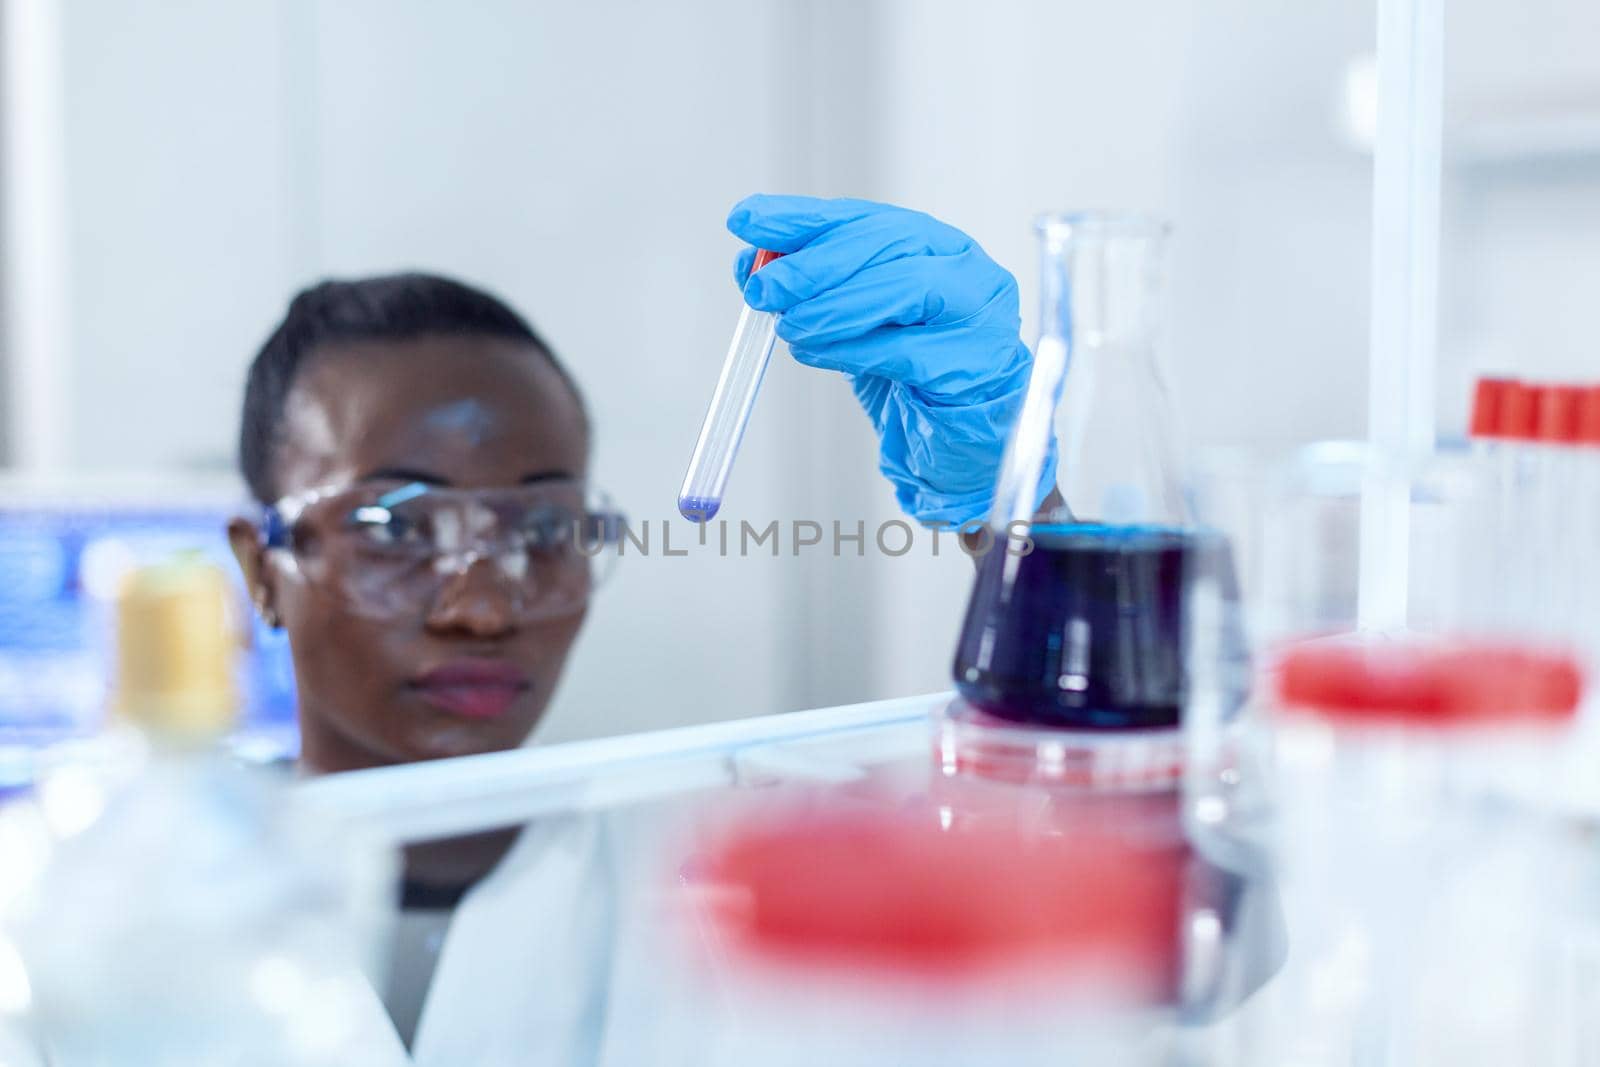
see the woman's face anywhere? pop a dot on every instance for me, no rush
(463, 673)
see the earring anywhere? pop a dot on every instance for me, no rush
(268, 616)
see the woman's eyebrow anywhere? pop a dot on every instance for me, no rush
(548, 476)
(404, 474)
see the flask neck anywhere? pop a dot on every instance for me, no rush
(1104, 276)
(1100, 285)
(1101, 280)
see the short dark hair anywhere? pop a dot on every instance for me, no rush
(393, 307)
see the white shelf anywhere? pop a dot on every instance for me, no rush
(1510, 140)
(441, 798)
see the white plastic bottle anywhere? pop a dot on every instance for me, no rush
(199, 919)
(1432, 912)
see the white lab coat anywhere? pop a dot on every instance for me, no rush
(554, 958)
(521, 977)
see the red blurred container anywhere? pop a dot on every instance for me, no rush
(855, 935)
(903, 896)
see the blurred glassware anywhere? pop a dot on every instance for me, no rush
(194, 914)
(1396, 762)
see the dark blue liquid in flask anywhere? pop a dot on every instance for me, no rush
(1076, 617)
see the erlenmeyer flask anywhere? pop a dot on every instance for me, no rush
(1076, 614)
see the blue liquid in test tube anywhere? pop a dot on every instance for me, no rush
(704, 483)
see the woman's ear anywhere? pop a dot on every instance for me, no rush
(245, 537)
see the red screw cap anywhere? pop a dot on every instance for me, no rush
(1517, 414)
(1556, 413)
(1589, 416)
(1429, 683)
(1488, 401)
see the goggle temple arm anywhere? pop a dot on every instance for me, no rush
(274, 530)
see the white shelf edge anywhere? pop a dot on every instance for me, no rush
(441, 798)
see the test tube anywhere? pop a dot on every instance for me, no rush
(1503, 423)
(1588, 499)
(1492, 446)
(1556, 510)
(748, 355)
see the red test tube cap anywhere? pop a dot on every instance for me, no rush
(1556, 413)
(1488, 401)
(1589, 416)
(763, 257)
(1517, 417)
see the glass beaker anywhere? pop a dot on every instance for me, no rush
(1075, 617)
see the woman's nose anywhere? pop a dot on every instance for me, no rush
(479, 601)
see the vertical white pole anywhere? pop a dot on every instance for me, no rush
(1405, 283)
(36, 321)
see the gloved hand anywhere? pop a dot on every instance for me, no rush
(921, 320)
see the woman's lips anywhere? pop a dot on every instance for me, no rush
(471, 688)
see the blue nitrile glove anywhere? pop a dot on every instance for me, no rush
(922, 321)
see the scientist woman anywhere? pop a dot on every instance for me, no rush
(420, 455)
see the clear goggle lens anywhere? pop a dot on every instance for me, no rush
(391, 549)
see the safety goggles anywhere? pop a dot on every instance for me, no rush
(389, 549)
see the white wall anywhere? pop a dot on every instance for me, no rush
(179, 239)
(580, 158)
(1521, 195)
